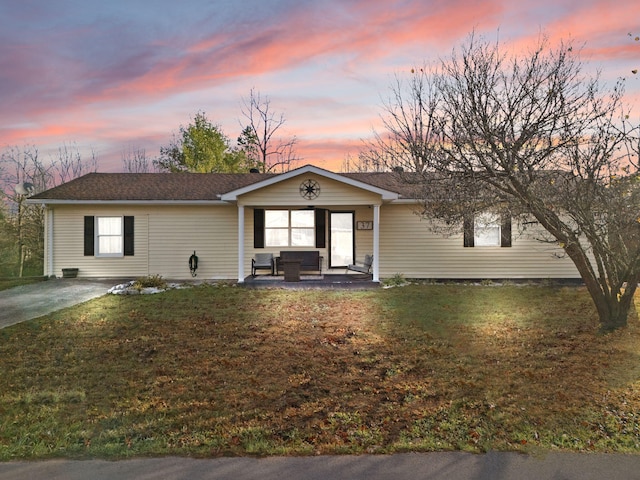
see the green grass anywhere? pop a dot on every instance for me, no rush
(6, 283)
(218, 370)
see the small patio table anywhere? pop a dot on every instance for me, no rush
(291, 270)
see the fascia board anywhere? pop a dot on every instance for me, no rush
(46, 201)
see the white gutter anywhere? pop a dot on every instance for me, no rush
(46, 201)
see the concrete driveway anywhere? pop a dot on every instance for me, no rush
(31, 301)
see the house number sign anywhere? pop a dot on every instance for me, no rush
(364, 225)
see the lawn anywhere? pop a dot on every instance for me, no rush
(219, 370)
(6, 282)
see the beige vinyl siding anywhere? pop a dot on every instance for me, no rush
(287, 193)
(209, 231)
(68, 244)
(364, 238)
(164, 239)
(166, 236)
(409, 247)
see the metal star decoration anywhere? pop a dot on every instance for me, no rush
(309, 189)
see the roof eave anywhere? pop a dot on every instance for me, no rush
(48, 201)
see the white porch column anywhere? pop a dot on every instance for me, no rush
(376, 243)
(240, 243)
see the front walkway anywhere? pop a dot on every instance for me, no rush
(325, 281)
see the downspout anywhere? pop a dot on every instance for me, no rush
(240, 243)
(148, 247)
(376, 243)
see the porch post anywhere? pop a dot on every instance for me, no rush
(376, 243)
(240, 243)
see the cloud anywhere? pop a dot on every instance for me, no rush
(100, 72)
(328, 153)
(114, 62)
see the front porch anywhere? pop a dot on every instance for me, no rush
(324, 281)
(310, 209)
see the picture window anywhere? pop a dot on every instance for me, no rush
(289, 228)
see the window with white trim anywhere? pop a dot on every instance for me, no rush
(109, 237)
(486, 230)
(289, 228)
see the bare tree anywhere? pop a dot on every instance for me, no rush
(412, 133)
(23, 165)
(23, 173)
(71, 164)
(349, 164)
(532, 135)
(135, 160)
(268, 151)
(637, 39)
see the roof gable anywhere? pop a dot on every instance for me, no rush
(233, 195)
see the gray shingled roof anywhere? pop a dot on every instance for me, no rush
(182, 186)
(150, 186)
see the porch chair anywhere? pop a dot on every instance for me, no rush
(262, 261)
(364, 267)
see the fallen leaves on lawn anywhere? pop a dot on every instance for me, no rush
(210, 371)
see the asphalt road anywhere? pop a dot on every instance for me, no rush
(414, 466)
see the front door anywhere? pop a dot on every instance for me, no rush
(341, 239)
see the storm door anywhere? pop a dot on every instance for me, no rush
(341, 239)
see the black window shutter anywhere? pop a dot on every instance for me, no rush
(89, 237)
(505, 231)
(258, 228)
(128, 236)
(321, 222)
(468, 231)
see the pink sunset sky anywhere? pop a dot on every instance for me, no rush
(112, 76)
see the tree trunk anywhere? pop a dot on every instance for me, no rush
(613, 307)
(613, 310)
(20, 273)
